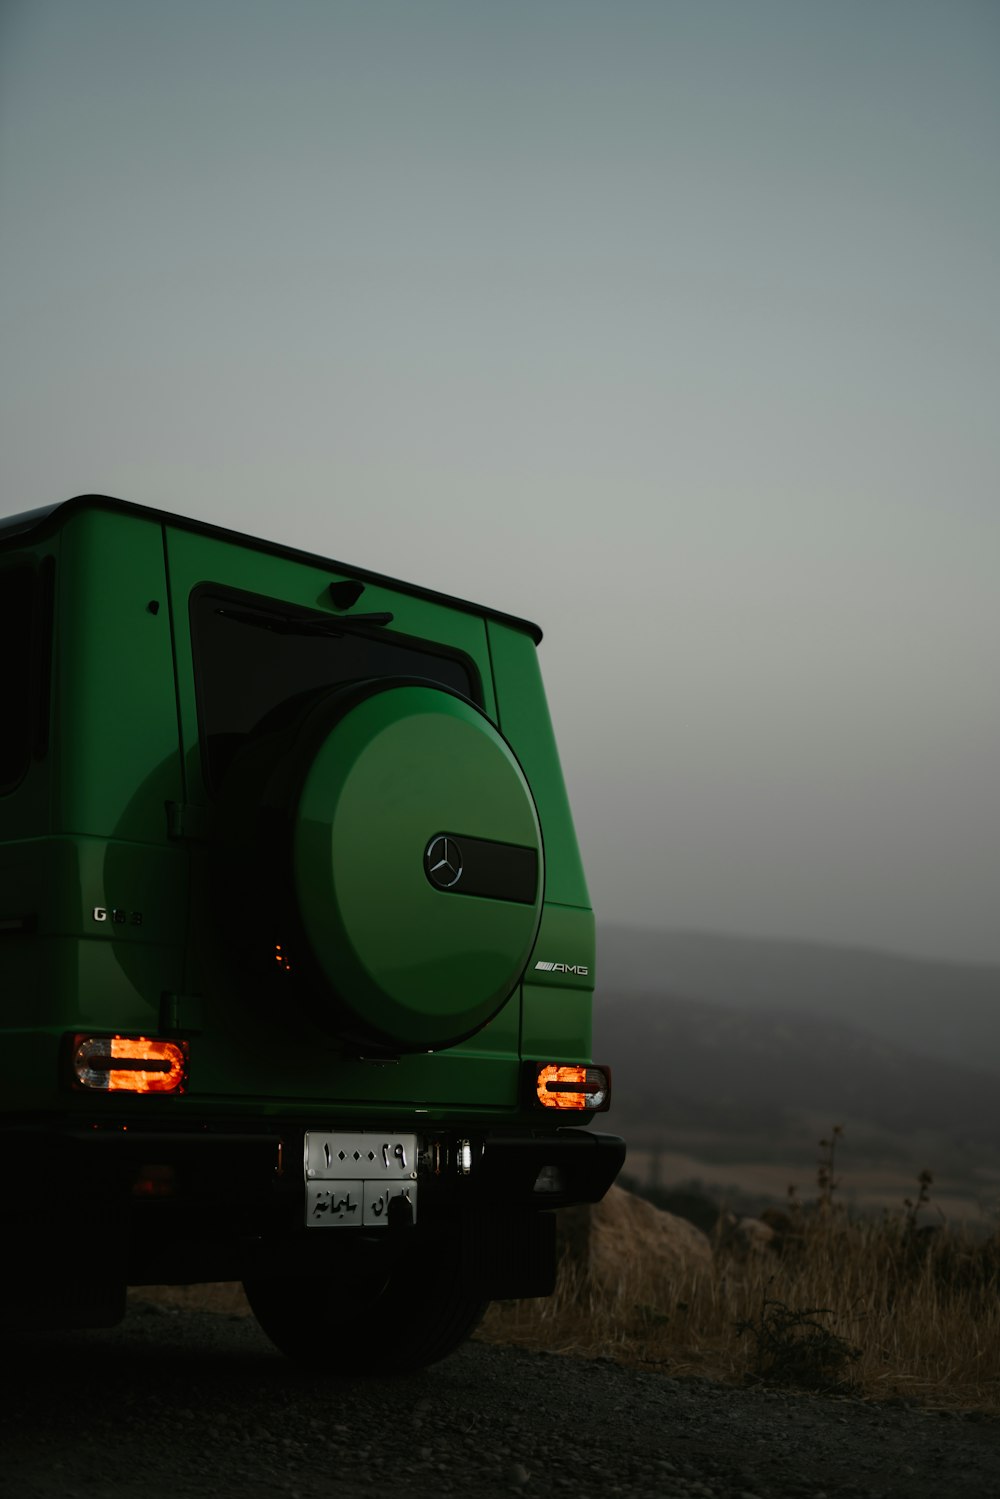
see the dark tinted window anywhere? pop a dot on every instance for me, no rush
(255, 662)
(23, 670)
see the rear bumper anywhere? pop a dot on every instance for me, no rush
(140, 1205)
(212, 1158)
(576, 1165)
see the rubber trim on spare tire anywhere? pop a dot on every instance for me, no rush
(329, 821)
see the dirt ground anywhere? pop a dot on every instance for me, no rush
(180, 1401)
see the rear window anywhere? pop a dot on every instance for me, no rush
(255, 660)
(25, 613)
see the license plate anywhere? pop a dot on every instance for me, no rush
(352, 1178)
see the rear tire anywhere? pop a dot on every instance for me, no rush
(401, 1319)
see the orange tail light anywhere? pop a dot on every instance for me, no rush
(130, 1064)
(561, 1086)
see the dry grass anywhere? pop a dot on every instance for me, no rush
(223, 1297)
(881, 1309)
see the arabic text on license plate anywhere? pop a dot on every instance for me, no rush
(352, 1177)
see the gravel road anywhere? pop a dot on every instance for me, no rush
(183, 1402)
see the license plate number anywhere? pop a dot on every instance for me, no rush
(351, 1179)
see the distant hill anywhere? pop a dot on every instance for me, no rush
(681, 1064)
(942, 1011)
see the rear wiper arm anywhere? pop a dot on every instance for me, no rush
(287, 624)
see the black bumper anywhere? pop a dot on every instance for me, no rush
(144, 1205)
(575, 1165)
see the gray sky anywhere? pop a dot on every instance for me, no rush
(674, 326)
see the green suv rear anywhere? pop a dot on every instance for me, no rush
(296, 952)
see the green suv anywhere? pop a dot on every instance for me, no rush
(296, 952)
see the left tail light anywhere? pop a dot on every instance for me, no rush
(130, 1064)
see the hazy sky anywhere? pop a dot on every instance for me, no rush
(674, 326)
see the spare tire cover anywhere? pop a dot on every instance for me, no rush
(417, 866)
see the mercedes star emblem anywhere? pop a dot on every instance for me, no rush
(443, 862)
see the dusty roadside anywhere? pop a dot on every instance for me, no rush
(180, 1402)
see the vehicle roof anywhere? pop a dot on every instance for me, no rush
(51, 515)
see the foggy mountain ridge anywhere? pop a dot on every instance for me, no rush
(691, 1064)
(936, 1010)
